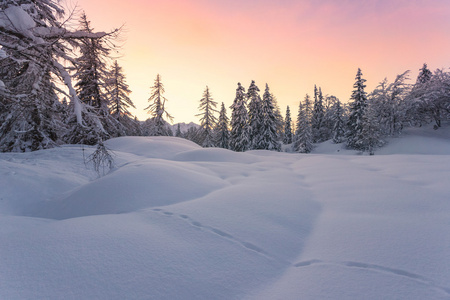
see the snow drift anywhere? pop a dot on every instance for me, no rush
(175, 221)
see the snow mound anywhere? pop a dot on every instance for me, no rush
(151, 147)
(143, 184)
(217, 155)
(175, 221)
(422, 140)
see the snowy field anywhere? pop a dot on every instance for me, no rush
(175, 221)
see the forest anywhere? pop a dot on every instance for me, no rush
(64, 85)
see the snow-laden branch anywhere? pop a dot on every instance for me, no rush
(73, 94)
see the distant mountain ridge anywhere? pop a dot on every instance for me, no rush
(183, 127)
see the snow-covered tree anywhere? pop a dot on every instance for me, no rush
(287, 138)
(269, 137)
(358, 107)
(278, 117)
(326, 130)
(303, 142)
(239, 136)
(371, 136)
(178, 131)
(119, 100)
(424, 75)
(34, 46)
(388, 105)
(157, 125)
(222, 132)
(338, 131)
(207, 119)
(255, 117)
(317, 116)
(430, 98)
(92, 70)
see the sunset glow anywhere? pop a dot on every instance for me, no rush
(291, 45)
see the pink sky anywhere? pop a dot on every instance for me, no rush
(289, 44)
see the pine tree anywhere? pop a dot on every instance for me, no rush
(120, 102)
(388, 105)
(34, 46)
(338, 122)
(317, 116)
(178, 132)
(255, 117)
(278, 117)
(287, 139)
(303, 136)
(326, 130)
(222, 132)
(269, 137)
(156, 126)
(424, 75)
(358, 105)
(371, 137)
(239, 137)
(208, 120)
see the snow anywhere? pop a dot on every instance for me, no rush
(175, 221)
(15, 18)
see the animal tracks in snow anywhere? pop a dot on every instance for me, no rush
(223, 234)
(376, 268)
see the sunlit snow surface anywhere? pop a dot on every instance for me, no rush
(175, 221)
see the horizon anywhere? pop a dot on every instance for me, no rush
(291, 46)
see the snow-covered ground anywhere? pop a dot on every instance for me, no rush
(175, 221)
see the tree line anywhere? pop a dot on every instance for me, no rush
(362, 124)
(60, 85)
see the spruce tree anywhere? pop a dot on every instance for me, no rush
(278, 117)
(388, 105)
(239, 136)
(255, 117)
(207, 119)
(371, 136)
(303, 136)
(118, 97)
(317, 115)
(222, 131)
(338, 122)
(178, 131)
(287, 139)
(269, 137)
(35, 46)
(424, 75)
(358, 105)
(157, 125)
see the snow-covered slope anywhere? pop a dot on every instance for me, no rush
(175, 221)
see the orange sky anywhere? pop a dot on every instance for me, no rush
(289, 44)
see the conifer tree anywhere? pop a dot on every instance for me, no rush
(120, 102)
(326, 130)
(287, 139)
(303, 136)
(156, 126)
(388, 105)
(358, 105)
(178, 131)
(317, 115)
(269, 138)
(278, 117)
(222, 132)
(371, 136)
(338, 122)
(255, 117)
(34, 46)
(207, 121)
(239, 136)
(424, 75)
